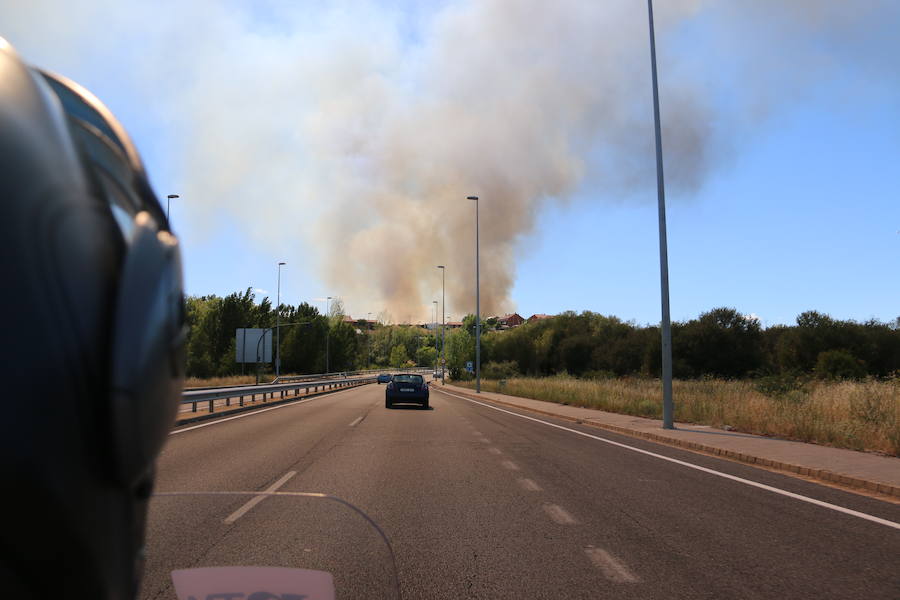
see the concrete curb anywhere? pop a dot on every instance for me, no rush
(820, 474)
(257, 406)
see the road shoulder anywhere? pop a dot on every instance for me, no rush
(871, 474)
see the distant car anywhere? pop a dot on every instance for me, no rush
(384, 378)
(406, 387)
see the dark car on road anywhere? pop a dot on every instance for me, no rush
(406, 387)
(384, 378)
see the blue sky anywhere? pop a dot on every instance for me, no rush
(797, 210)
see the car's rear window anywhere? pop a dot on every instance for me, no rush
(417, 379)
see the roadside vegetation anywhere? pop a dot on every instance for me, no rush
(305, 333)
(820, 380)
(859, 415)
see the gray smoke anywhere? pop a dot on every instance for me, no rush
(350, 136)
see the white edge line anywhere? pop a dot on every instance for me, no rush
(356, 422)
(256, 412)
(761, 486)
(257, 499)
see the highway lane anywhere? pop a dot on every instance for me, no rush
(481, 504)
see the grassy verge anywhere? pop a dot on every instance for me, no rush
(855, 415)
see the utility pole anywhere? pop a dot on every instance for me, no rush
(666, 325)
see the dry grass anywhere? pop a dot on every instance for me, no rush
(195, 382)
(855, 415)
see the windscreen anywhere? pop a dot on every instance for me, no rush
(416, 379)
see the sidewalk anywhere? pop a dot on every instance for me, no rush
(871, 472)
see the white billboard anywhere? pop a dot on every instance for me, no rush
(253, 345)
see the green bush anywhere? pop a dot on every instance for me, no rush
(839, 364)
(779, 385)
(500, 370)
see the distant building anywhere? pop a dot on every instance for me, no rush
(539, 317)
(510, 320)
(454, 324)
(363, 323)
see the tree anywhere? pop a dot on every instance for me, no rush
(839, 364)
(460, 350)
(426, 356)
(399, 357)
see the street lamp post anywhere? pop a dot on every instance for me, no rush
(443, 322)
(278, 325)
(368, 342)
(434, 323)
(327, 328)
(477, 305)
(169, 199)
(666, 325)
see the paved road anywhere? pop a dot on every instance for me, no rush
(480, 503)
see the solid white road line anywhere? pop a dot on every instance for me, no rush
(558, 514)
(612, 568)
(257, 499)
(762, 486)
(496, 451)
(262, 410)
(356, 421)
(529, 485)
(484, 440)
(508, 464)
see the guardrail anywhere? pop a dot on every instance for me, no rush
(350, 374)
(193, 397)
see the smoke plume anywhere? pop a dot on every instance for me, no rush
(351, 135)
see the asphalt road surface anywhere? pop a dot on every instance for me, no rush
(481, 503)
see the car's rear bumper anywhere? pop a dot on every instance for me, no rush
(417, 397)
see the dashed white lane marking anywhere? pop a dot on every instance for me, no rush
(508, 464)
(558, 514)
(529, 485)
(496, 451)
(477, 433)
(612, 568)
(257, 499)
(260, 411)
(484, 440)
(356, 421)
(762, 486)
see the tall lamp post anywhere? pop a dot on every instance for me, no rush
(434, 324)
(443, 322)
(368, 342)
(278, 325)
(666, 325)
(169, 199)
(477, 305)
(327, 328)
